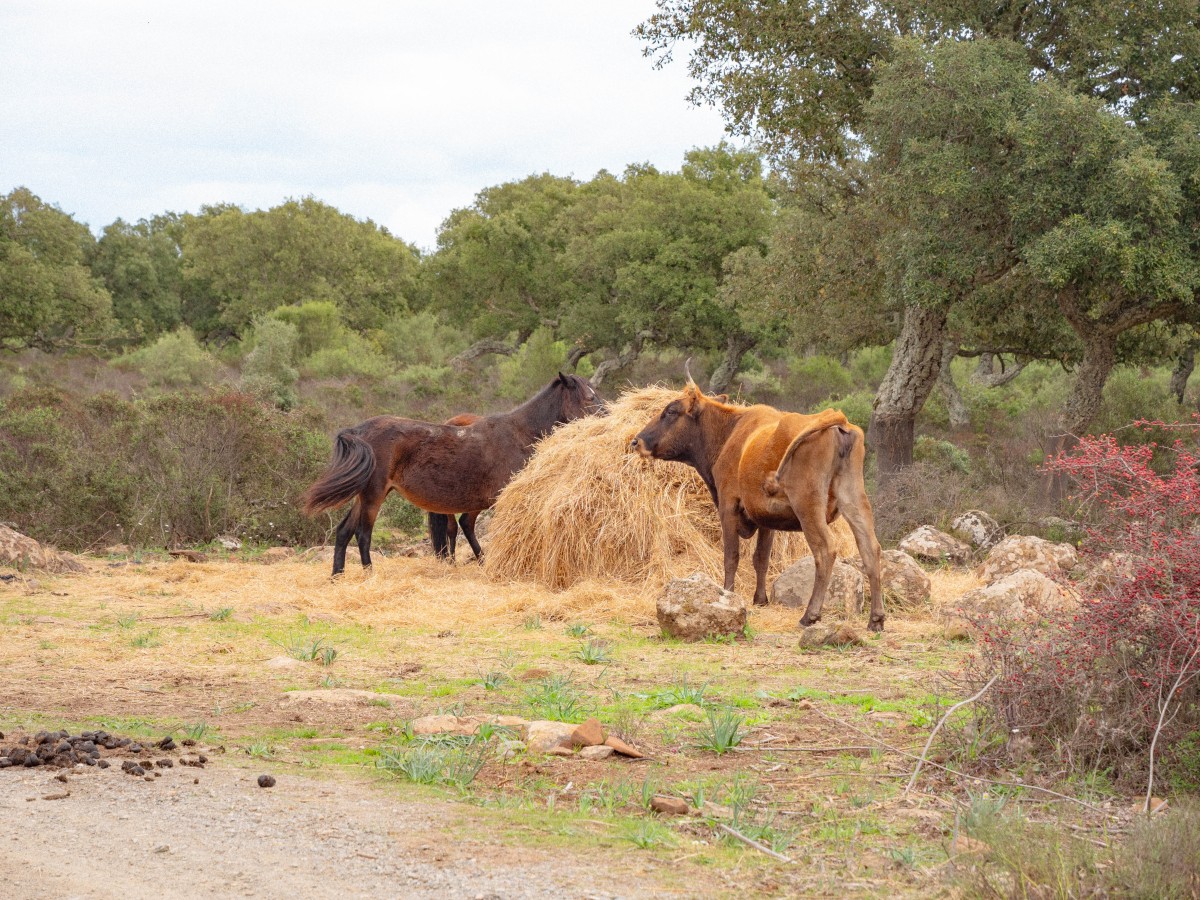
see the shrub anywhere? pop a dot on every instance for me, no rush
(420, 339)
(810, 378)
(174, 360)
(1115, 683)
(317, 322)
(354, 356)
(269, 371)
(532, 366)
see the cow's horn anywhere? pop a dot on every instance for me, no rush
(687, 370)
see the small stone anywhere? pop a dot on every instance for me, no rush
(164, 763)
(162, 848)
(669, 806)
(103, 763)
(623, 748)
(559, 751)
(603, 751)
(589, 734)
(63, 796)
(149, 777)
(266, 781)
(135, 748)
(167, 743)
(61, 776)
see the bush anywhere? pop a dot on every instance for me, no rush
(810, 378)
(1096, 688)
(354, 356)
(318, 325)
(175, 360)
(532, 366)
(269, 371)
(420, 339)
(174, 469)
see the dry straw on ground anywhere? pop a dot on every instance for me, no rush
(584, 508)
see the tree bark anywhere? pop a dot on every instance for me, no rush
(1099, 357)
(482, 348)
(960, 416)
(1184, 366)
(737, 346)
(626, 357)
(916, 363)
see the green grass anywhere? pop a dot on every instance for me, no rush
(593, 653)
(721, 733)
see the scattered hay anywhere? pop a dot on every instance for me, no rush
(584, 508)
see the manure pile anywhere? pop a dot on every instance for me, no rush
(584, 508)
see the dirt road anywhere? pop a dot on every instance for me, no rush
(119, 836)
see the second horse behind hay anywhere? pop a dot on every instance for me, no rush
(445, 469)
(443, 530)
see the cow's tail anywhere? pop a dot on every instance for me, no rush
(826, 419)
(348, 474)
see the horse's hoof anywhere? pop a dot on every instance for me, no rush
(758, 602)
(806, 621)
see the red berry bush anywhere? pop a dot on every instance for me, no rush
(1113, 686)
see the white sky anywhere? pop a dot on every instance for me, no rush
(398, 112)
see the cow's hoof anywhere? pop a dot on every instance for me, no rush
(875, 625)
(806, 621)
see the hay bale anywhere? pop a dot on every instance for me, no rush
(583, 507)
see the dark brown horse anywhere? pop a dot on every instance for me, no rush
(444, 469)
(443, 530)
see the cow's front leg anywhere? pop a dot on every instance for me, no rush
(762, 557)
(730, 542)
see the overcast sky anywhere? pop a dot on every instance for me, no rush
(394, 111)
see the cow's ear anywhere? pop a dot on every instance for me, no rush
(721, 398)
(692, 398)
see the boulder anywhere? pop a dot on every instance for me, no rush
(794, 586)
(1022, 551)
(668, 806)
(544, 736)
(930, 544)
(602, 751)
(23, 552)
(1111, 570)
(979, 528)
(1024, 596)
(276, 554)
(695, 607)
(589, 734)
(905, 583)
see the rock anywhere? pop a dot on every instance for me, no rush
(623, 748)
(23, 552)
(266, 781)
(595, 753)
(979, 528)
(669, 806)
(274, 555)
(1022, 551)
(559, 751)
(1110, 571)
(794, 586)
(229, 542)
(321, 554)
(541, 736)
(190, 555)
(905, 584)
(589, 734)
(1024, 596)
(819, 635)
(695, 607)
(930, 544)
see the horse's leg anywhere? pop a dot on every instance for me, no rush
(451, 535)
(341, 540)
(467, 521)
(439, 527)
(370, 501)
(762, 556)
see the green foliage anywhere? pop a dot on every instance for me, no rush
(141, 267)
(856, 406)
(452, 763)
(556, 698)
(942, 454)
(318, 325)
(48, 296)
(269, 371)
(533, 365)
(354, 356)
(420, 339)
(592, 653)
(721, 733)
(175, 360)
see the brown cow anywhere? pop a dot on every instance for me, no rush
(772, 471)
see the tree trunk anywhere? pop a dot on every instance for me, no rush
(960, 416)
(1184, 367)
(986, 364)
(626, 357)
(1099, 357)
(482, 348)
(737, 346)
(916, 363)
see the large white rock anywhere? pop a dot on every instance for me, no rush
(21, 552)
(695, 607)
(929, 543)
(905, 583)
(979, 528)
(1022, 551)
(793, 587)
(1023, 596)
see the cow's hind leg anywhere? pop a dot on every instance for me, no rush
(854, 504)
(762, 557)
(467, 522)
(820, 542)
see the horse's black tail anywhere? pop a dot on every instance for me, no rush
(439, 525)
(347, 476)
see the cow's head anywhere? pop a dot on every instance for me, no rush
(675, 432)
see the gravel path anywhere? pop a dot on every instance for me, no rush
(117, 836)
